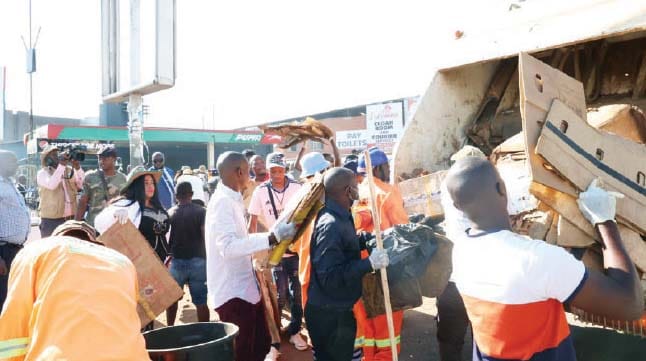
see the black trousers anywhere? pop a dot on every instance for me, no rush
(7, 253)
(48, 225)
(332, 332)
(452, 323)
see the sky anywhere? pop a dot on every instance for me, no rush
(241, 63)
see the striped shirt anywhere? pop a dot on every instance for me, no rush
(514, 289)
(14, 214)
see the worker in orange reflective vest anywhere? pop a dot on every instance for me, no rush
(70, 299)
(390, 205)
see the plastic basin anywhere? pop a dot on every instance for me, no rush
(201, 341)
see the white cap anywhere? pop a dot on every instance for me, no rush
(313, 162)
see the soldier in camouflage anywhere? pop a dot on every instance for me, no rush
(100, 186)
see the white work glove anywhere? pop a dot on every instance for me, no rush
(597, 204)
(379, 259)
(121, 215)
(284, 231)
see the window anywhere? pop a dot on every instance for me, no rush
(316, 146)
(294, 148)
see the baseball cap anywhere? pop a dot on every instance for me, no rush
(107, 151)
(276, 160)
(351, 164)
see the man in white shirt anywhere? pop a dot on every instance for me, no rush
(267, 202)
(515, 288)
(199, 197)
(230, 275)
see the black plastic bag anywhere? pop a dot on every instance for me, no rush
(410, 248)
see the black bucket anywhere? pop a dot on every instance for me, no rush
(201, 341)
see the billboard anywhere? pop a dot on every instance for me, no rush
(385, 124)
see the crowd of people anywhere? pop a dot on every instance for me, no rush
(214, 234)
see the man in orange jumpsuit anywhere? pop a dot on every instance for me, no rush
(390, 205)
(70, 299)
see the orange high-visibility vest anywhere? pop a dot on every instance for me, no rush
(390, 205)
(71, 300)
(302, 247)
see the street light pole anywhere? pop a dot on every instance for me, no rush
(31, 85)
(31, 69)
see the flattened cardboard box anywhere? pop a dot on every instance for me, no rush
(581, 154)
(422, 194)
(157, 288)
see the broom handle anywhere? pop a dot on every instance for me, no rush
(376, 220)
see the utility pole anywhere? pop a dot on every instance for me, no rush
(31, 69)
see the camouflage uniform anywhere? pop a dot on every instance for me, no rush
(95, 191)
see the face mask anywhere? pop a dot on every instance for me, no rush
(354, 197)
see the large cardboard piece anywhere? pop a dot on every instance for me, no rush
(582, 153)
(422, 194)
(540, 84)
(157, 288)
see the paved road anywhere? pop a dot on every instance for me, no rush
(418, 333)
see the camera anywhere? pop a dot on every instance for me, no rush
(73, 151)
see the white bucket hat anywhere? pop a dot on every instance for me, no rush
(313, 162)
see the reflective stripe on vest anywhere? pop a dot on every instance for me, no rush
(380, 343)
(359, 342)
(13, 347)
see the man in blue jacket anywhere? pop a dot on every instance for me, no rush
(166, 186)
(337, 270)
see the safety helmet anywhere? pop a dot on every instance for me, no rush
(313, 162)
(377, 158)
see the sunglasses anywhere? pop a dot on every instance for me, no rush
(158, 161)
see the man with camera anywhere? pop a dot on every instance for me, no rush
(100, 186)
(58, 183)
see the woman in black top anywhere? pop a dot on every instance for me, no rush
(140, 203)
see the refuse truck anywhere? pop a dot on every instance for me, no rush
(476, 97)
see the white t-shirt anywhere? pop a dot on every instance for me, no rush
(196, 184)
(513, 288)
(261, 204)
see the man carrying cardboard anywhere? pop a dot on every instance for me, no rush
(515, 288)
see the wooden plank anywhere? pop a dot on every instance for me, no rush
(569, 235)
(581, 154)
(552, 235)
(593, 80)
(568, 209)
(422, 194)
(157, 288)
(509, 96)
(565, 205)
(640, 79)
(540, 84)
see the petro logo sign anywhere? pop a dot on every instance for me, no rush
(246, 138)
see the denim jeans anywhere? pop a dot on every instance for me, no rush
(193, 272)
(289, 290)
